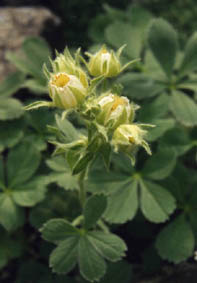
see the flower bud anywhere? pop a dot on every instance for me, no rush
(104, 63)
(127, 138)
(115, 110)
(65, 63)
(66, 91)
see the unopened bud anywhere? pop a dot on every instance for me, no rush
(104, 63)
(115, 110)
(128, 138)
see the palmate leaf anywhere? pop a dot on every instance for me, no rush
(184, 108)
(123, 203)
(177, 139)
(11, 216)
(63, 174)
(88, 249)
(130, 191)
(176, 241)
(162, 37)
(127, 35)
(11, 84)
(149, 112)
(189, 61)
(156, 202)
(161, 126)
(109, 246)
(140, 86)
(29, 194)
(10, 108)
(22, 163)
(64, 258)
(94, 208)
(11, 133)
(58, 229)
(92, 265)
(160, 165)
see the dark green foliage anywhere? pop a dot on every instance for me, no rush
(38, 191)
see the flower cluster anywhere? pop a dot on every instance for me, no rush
(85, 91)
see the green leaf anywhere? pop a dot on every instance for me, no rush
(71, 134)
(109, 246)
(11, 216)
(11, 133)
(101, 182)
(29, 194)
(92, 265)
(20, 62)
(64, 258)
(63, 175)
(11, 84)
(177, 139)
(161, 126)
(156, 202)
(183, 108)
(82, 162)
(35, 86)
(123, 203)
(10, 108)
(176, 242)
(189, 61)
(94, 208)
(160, 165)
(155, 110)
(162, 37)
(30, 61)
(57, 230)
(2, 173)
(153, 67)
(127, 35)
(140, 86)
(37, 51)
(22, 163)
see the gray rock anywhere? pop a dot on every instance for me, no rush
(15, 25)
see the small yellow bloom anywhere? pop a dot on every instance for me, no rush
(66, 91)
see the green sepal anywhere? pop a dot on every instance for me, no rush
(38, 104)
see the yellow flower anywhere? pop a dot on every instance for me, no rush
(66, 91)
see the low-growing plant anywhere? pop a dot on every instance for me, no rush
(101, 174)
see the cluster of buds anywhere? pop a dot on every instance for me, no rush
(70, 87)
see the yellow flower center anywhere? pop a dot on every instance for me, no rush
(131, 140)
(61, 80)
(117, 101)
(104, 51)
